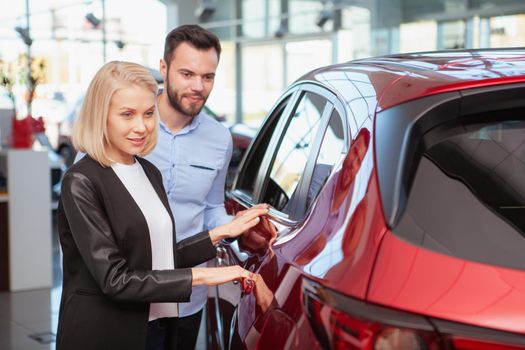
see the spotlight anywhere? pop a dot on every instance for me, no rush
(120, 44)
(24, 34)
(324, 16)
(205, 10)
(93, 20)
(280, 32)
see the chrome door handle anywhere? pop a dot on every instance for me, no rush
(222, 257)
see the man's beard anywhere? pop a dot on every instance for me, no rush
(176, 102)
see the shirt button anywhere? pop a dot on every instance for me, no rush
(173, 165)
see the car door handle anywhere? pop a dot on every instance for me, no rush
(222, 257)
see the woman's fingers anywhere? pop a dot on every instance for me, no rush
(253, 222)
(253, 213)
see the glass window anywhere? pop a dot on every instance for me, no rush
(418, 36)
(507, 31)
(303, 16)
(468, 195)
(293, 152)
(262, 81)
(331, 148)
(222, 97)
(354, 40)
(260, 18)
(303, 56)
(247, 178)
(453, 35)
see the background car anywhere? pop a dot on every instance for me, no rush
(398, 210)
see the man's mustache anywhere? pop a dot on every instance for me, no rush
(201, 96)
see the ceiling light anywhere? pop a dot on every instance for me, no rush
(24, 34)
(205, 10)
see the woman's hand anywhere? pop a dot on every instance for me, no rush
(241, 222)
(256, 206)
(213, 276)
(263, 295)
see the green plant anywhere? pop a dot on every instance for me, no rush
(31, 79)
(8, 80)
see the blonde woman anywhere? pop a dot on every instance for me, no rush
(123, 272)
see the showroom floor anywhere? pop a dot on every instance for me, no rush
(28, 320)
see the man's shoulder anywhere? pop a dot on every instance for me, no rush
(212, 127)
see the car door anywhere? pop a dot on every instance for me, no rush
(285, 167)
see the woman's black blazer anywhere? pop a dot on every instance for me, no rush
(107, 278)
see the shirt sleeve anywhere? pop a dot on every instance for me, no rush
(214, 212)
(93, 238)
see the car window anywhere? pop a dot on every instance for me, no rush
(248, 176)
(468, 194)
(293, 152)
(330, 152)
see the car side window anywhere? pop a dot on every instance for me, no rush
(330, 152)
(293, 152)
(248, 177)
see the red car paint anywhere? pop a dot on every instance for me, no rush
(341, 277)
(415, 279)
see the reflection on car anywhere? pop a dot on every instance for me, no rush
(398, 210)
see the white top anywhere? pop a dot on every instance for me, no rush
(159, 224)
(194, 163)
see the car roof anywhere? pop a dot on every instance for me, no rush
(395, 79)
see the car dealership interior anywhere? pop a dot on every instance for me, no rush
(298, 132)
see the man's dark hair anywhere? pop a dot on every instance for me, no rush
(192, 34)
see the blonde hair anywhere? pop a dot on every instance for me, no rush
(90, 134)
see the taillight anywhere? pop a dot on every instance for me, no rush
(340, 322)
(341, 330)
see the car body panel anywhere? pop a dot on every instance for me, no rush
(345, 243)
(331, 233)
(412, 278)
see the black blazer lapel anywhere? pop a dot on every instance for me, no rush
(156, 182)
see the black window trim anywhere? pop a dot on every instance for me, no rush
(277, 110)
(261, 182)
(399, 132)
(305, 181)
(333, 104)
(295, 93)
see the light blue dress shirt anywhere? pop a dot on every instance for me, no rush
(194, 163)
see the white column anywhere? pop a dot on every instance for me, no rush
(30, 247)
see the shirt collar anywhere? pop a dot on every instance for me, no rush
(196, 121)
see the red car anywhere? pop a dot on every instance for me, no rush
(398, 221)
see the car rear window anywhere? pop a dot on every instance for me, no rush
(467, 196)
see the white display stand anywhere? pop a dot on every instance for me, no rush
(6, 120)
(29, 207)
